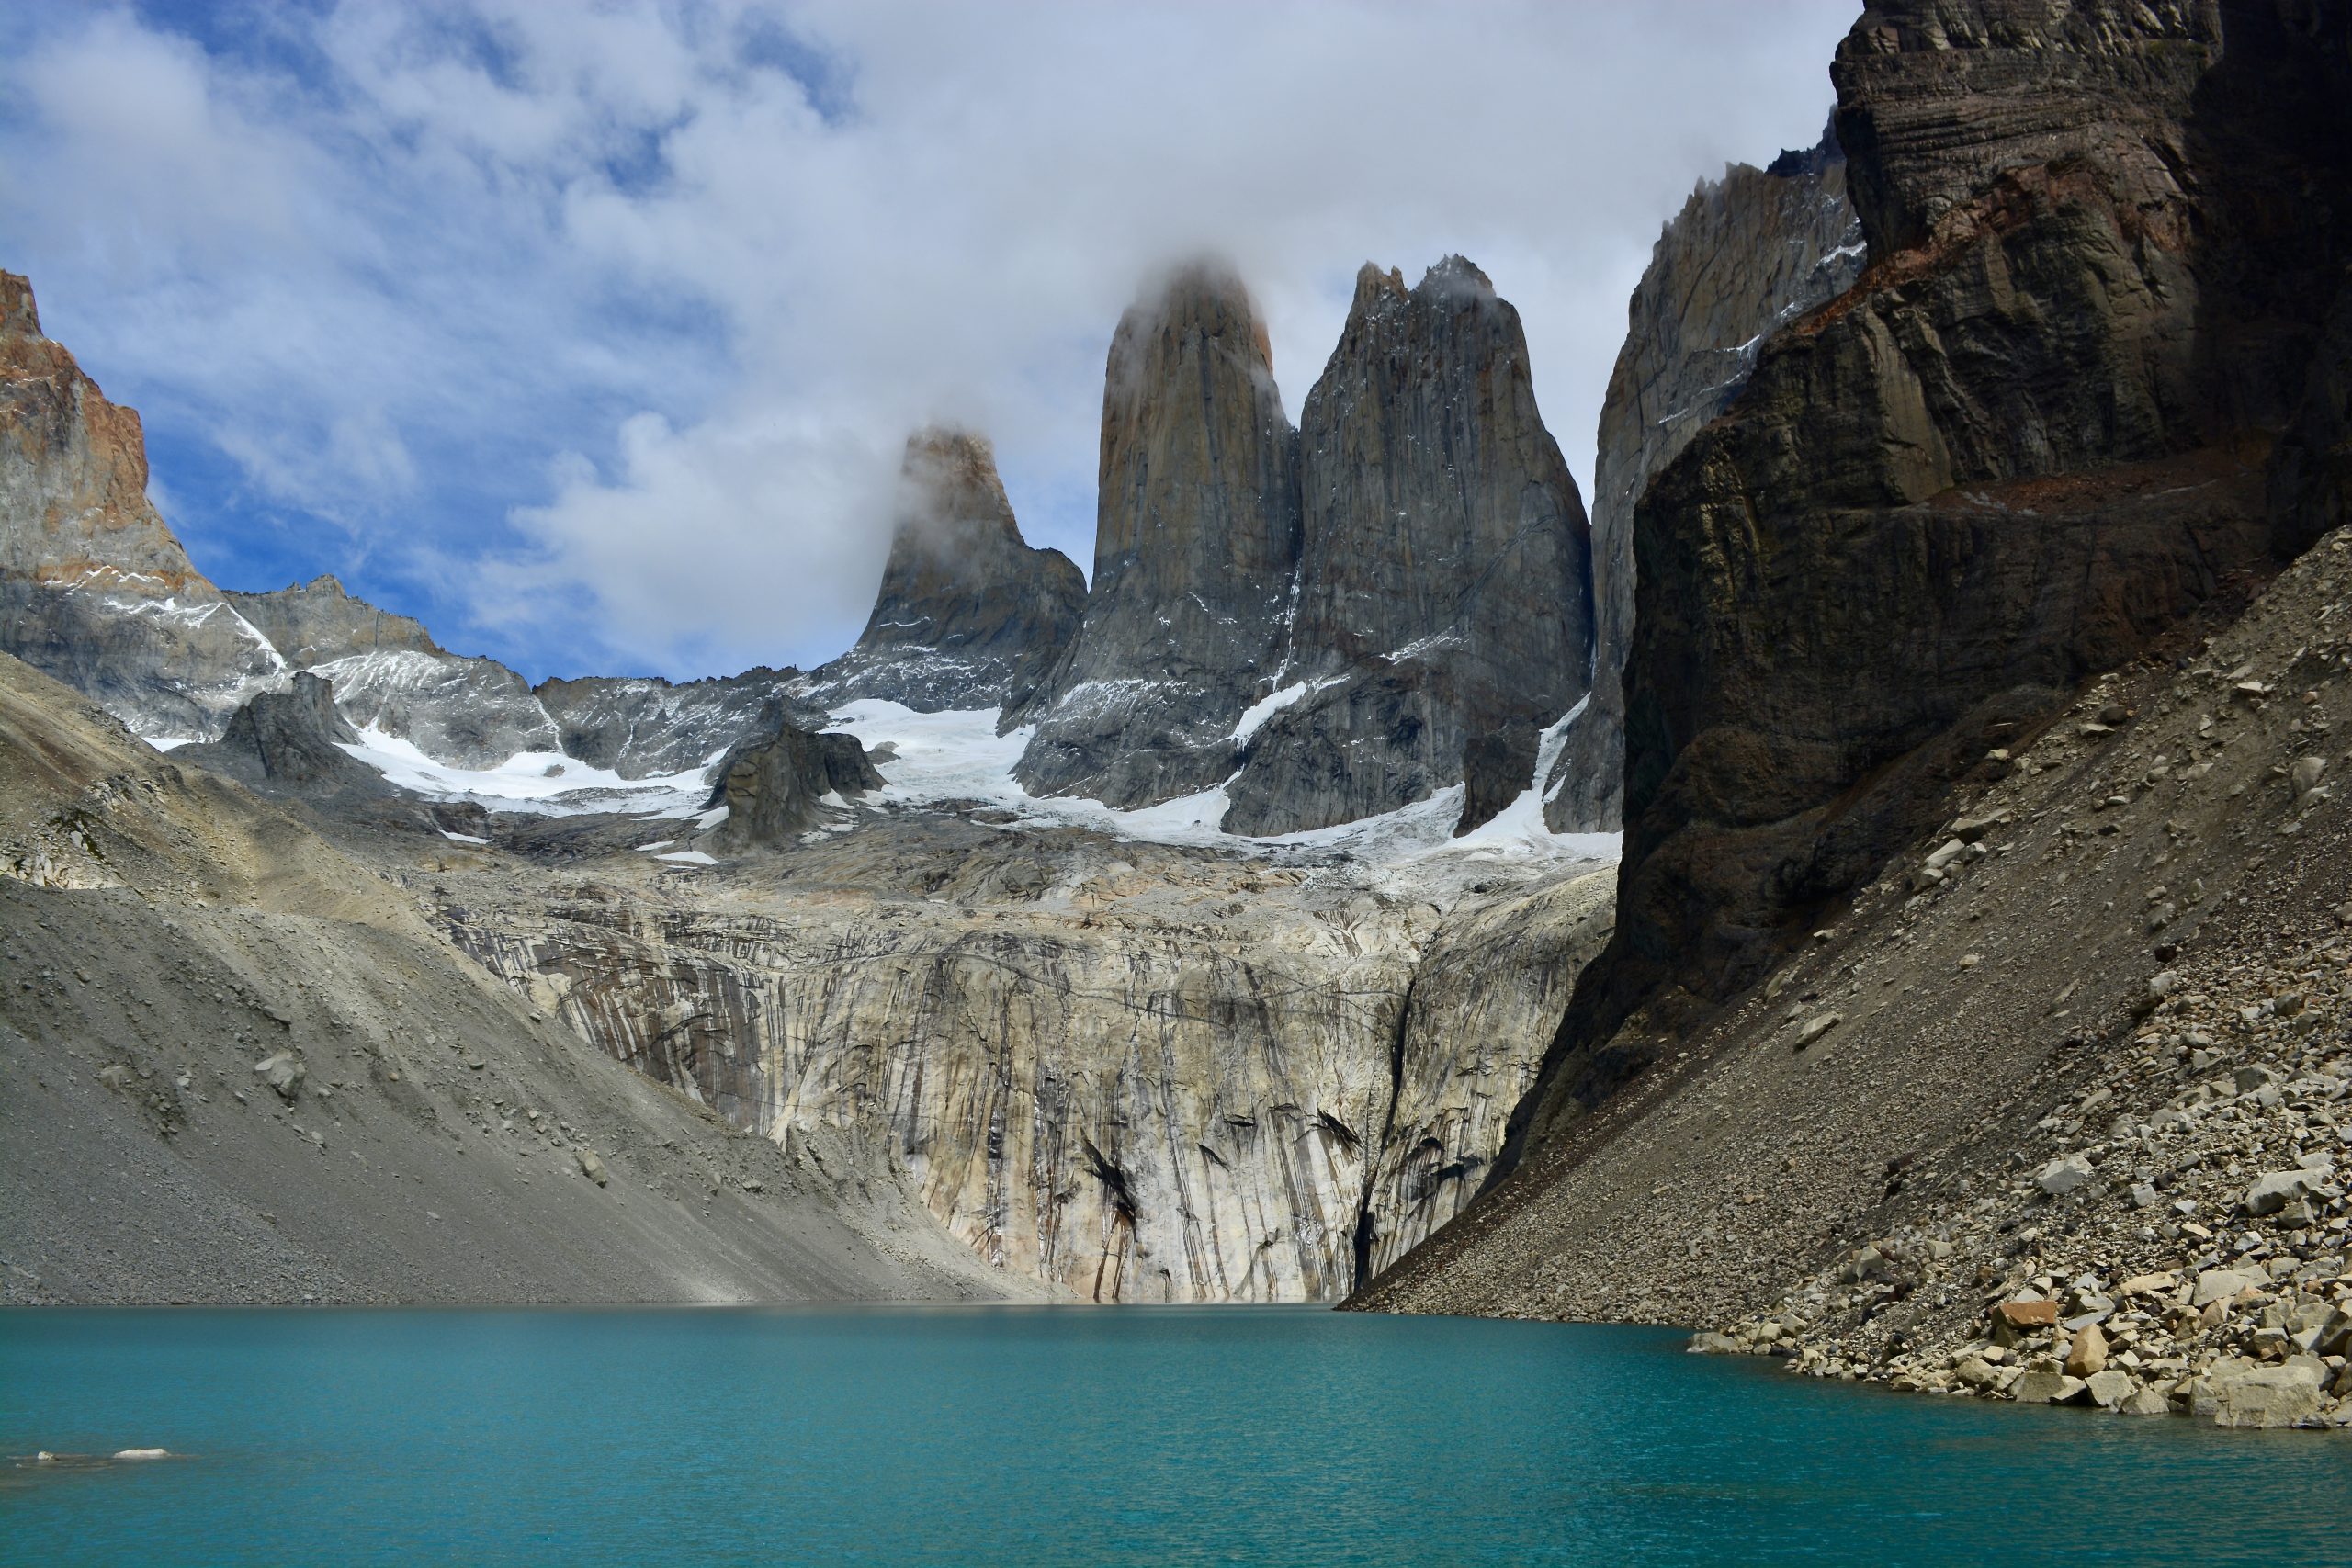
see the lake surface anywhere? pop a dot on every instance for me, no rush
(1071, 1436)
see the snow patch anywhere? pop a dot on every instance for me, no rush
(463, 838)
(688, 857)
(547, 782)
(1254, 718)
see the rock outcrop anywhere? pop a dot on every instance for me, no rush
(969, 615)
(1748, 255)
(1196, 540)
(776, 785)
(93, 588)
(1443, 592)
(2031, 442)
(286, 743)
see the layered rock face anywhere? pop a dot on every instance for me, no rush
(1138, 1073)
(2033, 441)
(1196, 538)
(969, 615)
(1747, 254)
(93, 588)
(1443, 592)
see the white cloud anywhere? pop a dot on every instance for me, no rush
(398, 261)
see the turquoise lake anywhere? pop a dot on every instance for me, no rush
(1048, 1437)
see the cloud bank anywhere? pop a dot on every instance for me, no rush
(591, 334)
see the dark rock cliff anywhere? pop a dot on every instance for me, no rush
(640, 726)
(969, 614)
(2040, 437)
(1747, 254)
(1196, 537)
(1443, 595)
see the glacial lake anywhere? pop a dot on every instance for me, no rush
(1259, 1436)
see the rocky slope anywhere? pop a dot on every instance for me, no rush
(969, 615)
(1196, 539)
(241, 1066)
(2080, 1058)
(1748, 255)
(93, 588)
(1443, 591)
(318, 622)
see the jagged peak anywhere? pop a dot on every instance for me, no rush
(18, 315)
(1454, 273)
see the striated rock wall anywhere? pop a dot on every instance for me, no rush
(1196, 537)
(968, 616)
(93, 588)
(2029, 444)
(1495, 977)
(1747, 254)
(1139, 1074)
(1443, 592)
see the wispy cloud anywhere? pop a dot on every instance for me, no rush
(591, 333)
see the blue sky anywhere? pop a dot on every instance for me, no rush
(590, 334)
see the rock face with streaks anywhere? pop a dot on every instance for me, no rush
(1748, 255)
(968, 616)
(1486, 984)
(1196, 539)
(1141, 1073)
(1443, 592)
(93, 588)
(2035, 440)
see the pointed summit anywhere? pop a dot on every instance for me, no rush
(1196, 534)
(969, 614)
(1444, 606)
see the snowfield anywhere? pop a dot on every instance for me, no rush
(546, 782)
(958, 757)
